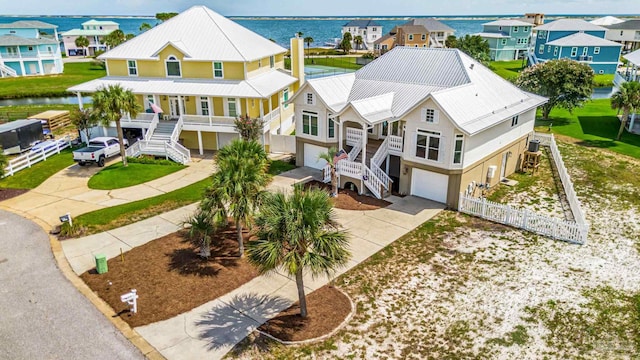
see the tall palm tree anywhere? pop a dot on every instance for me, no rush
(110, 104)
(237, 185)
(144, 27)
(115, 38)
(357, 40)
(329, 157)
(308, 40)
(298, 233)
(201, 228)
(82, 42)
(627, 99)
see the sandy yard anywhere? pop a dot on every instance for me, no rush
(461, 287)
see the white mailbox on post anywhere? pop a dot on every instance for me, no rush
(131, 299)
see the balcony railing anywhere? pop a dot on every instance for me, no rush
(204, 120)
(25, 54)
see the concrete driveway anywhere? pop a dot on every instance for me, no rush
(42, 314)
(67, 191)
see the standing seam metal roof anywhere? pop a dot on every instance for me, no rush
(28, 24)
(12, 40)
(582, 39)
(570, 25)
(430, 24)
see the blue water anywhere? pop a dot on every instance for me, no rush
(278, 29)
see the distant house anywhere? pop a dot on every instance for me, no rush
(627, 33)
(415, 33)
(508, 39)
(27, 49)
(426, 122)
(95, 31)
(193, 93)
(606, 21)
(369, 30)
(631, 73)
(536, 19)
(577, 40)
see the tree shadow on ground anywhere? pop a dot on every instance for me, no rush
(227, 324)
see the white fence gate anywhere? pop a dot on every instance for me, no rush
(282, 144)
(31, 158)
(571, 231)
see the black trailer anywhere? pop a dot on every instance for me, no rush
(19, 135)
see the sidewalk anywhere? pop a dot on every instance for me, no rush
(67, 191)
(212, 329)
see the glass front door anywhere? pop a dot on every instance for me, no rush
(174, 105)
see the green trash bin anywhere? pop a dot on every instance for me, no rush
(101, 264)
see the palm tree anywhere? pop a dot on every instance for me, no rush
(297, 233)
(115, 38)
(627, 99)
(144, 27)
(82, 42)
(202, 227)
(237, 185)
(357, 40)
(308, 40)
(329, 157)
(110, 104)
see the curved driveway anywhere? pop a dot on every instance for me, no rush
(41, 314)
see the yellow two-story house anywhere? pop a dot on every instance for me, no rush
(193, 75)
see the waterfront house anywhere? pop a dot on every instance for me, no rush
(508, 39)
(630, 73)
(192, 92)
(627, 33)
(606, 21)
(578, 40)
(368, 29)
(420, 121)
(29, 48)
(95, 31)
(415, 33)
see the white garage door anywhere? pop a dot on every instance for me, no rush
(226, 139)
(311, 153)
(429, 185)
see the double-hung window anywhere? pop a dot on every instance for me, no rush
(504, 41)
(410, 37)
(310, 123)
(430, 115)
(218, 73)
(457, 149)
(331, 127)
(132, 66)
(428, 145)
(285, 97)
(596, 50)
(310, 100)
(515, 29)
(574, 51)
(272, 61)
(424, 37)
(232, 107)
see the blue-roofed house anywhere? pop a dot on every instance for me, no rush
(578, 40)
(370, 30)
(508, 39)
(29, 48)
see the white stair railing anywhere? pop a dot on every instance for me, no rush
(6, 71)
(353, 154)
(175, 135)
(395, 145)
(382, 152)
(373, 183)
(380, 174)
(354, 136)
(133, 150)
(177, 152)
(152, 128)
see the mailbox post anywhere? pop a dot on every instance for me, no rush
(131, 299)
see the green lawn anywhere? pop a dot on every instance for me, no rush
(595, 124)
(338, 62)
(508, 70)
(604, 80)
(117, 176)
(14, 112)
(117, 216)
(38, 173)
(278, 167)
(49, 85)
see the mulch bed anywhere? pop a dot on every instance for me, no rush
(11, 193)
(326, 310)
(350, 200)
(170, 277)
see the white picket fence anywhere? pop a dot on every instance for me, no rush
(524, 219)
(31, 158)
(571, 231)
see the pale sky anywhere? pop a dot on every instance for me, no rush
(321, 7)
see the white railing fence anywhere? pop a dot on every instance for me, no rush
(353, 154)
(354, 136)
(373, 183)
(349, 168)
(152, 128)
(177, 152)
(134, 149)
(326, 174)
(395, 145)
(31, 158)
(381, 154)
(567, 184)
(175, 135)
(524, 219)
(385, 180)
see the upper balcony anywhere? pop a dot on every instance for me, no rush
(26, 55)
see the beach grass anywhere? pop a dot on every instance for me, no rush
(49, 85)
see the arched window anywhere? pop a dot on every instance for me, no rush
(173, 66)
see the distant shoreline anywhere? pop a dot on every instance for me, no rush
(398, 17)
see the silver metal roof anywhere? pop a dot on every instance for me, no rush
(582, 39)
(261, 86)
(28, 24)
(508, 22)
(12, 40)
(430, 24)
(633, 57)
(204, 34)
(570, 25)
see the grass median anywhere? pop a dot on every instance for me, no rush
(117, 176)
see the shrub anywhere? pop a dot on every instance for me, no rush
(151, 160)
(248, 128)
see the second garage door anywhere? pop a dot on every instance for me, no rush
(429, 185)
(311, 154)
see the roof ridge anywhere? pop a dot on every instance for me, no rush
(207, 11)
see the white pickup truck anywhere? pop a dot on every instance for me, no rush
(99, 149)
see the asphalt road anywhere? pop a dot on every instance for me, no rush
(42, 316)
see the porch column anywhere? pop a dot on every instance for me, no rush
(210, 107)
(339, 129)
(21, 61)
(200, 142)
(364, 144)
(180, 107)
(79, 100)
